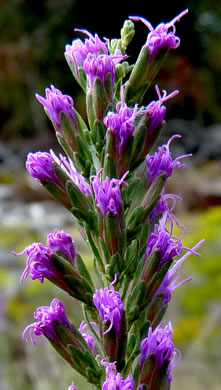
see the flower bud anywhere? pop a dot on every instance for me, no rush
(127, 32)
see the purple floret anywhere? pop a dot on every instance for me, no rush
(68, 167)
(39, 264)
(100, 67)
(55, 103)
(88, 337)
(159, 344)
(46, 315)
(107, 193)
(72, 387)
(77, 52)
(61, 241)
(162, 240)
(171, 281)
(156, 110)
(110, 307)
(161, 37)
(114, 380)
(121, 122)
(162, 162)
(40, 166)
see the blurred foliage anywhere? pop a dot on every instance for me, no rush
(200, 297)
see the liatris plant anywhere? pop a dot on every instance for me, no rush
(114, 183)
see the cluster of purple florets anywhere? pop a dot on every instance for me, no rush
(116, 189)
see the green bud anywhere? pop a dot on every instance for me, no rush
(98, 134)
(155, 282)
(153, 194)
(137, 84)
(101, 99)
(151, 265)
(90, 108)
(134, 301)
(127, 33)
(59, 194)
(135, 218)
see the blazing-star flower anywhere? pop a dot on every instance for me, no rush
(160, 239)
(162, 162)
(68, 167)
(46, 315)
(161, 37)
(40, 166)
(162, 208)
(62, 242)
(159, 345)
(110, 307)
(88, 337)
(77, 52)
(114, 381)
(100, 67)
(55, 103)
(107, 193)
(39, 263)
(156, 110)
(72, 387)
(121, 122)
(171, 280)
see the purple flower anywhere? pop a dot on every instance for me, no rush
(107, 193)
(77, 52)
(162, 208)
(55, 103)
(100, 67)
(61, 241)
(161, 37)
(88, 337)
(171, 280)
(114, 381)
(162, 162)
(110, 307)
(46, 315)
(68, 167)
(39, 263)
(156, 111)
(158, 344)
(121, 122)
(160, 239)
(72, 387)
(40, 166)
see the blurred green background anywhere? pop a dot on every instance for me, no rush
(32, 40)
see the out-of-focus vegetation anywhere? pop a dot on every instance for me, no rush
(32, 40)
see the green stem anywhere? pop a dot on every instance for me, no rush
(94, 249)
(98, 274)
(87, 320)
(125, 287)
(132, 356)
